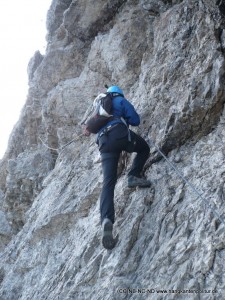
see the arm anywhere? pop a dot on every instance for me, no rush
(129, 113)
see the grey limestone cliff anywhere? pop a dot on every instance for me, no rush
(169, 58)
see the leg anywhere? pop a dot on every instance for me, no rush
(109, 168)
(141, 147)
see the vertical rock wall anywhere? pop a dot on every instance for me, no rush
(168, 57)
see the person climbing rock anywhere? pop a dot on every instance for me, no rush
(112, 139)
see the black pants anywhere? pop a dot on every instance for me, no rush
(111, 145)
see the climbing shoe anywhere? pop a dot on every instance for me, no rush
(107, 237)
(134, 181)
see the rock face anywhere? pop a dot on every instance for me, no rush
(168, 57)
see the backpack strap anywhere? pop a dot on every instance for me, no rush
(116, 95)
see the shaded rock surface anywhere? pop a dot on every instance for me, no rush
(168, 57)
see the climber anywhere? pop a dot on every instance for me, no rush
(112, 139)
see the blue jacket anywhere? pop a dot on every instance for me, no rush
(121, 107)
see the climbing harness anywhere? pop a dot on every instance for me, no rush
(193, 188)
(107, 129)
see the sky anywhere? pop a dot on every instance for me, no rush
(22, 32)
